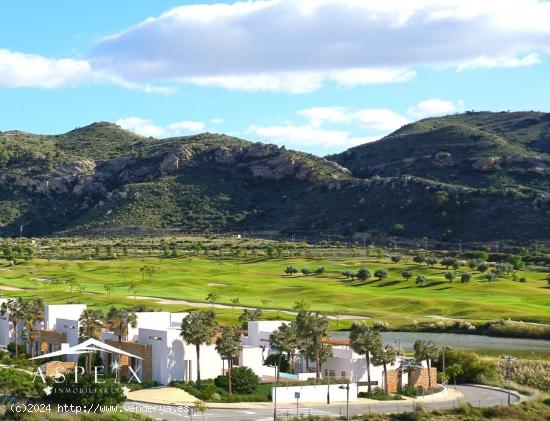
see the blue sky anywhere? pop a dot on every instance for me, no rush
(314, 75)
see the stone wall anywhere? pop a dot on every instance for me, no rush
(419, 378)
(393, 381)
(53, 367)
(141, 350)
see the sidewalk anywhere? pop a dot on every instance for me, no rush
(175, 396)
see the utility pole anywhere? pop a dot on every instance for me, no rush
(508, 371)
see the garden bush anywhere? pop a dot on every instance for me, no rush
(244, 380)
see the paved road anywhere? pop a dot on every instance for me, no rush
(474, 395)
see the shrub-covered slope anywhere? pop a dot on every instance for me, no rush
(476, 176)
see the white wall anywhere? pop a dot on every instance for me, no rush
(316, 393)
(149, 320)
(70, 328)
(259, 332)
(61, 311)
(252, 357)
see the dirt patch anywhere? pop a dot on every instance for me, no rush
(8, 288)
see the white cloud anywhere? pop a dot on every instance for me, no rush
(19, 70)
(188, 126)
(435, 106)
(146, 127)
(297, 46)
(354, 77)
(217, 120)
(306, 136)
(510, 62)
(381, 119)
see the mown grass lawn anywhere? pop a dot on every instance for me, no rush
(262, 283)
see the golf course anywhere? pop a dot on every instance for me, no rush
(181, 283)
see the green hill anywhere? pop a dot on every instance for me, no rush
(500, 150)
(475, 176)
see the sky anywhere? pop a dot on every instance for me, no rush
(313, 75)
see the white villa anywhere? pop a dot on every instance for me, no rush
(164, 357)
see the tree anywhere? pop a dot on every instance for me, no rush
(480, 255)
(447, 262)
(426, 351)
(419, 259)
(516, 261)
(108, 289)
(198, 328)
(314, 327)
(450, 275)
(491, 276)
(483, 267)
(212, 297)
(228, 345)
(72, 282)
(396, 259)
(147, 270)
(134, 287)
(363, 274)
(235, 301)
(381, 274)
(15, 307)
(465, 278)
(291, 270)
(453, 370)
(320, 270)
(420, 279)
(285, 340)
(430, 261)
(306, 271)
(407, 274)
(250, 315)
(90, 326)
(119, 320)
(384, 356)
(33, 311)
(365, 341)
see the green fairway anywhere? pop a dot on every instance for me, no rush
(263, 283)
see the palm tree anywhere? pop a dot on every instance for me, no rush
(285, 339)
(33, 311)
(91, 324)
(314, 326)
(108, 289)
(15, 308)
(228, 346)
(426, 350)
(384, 356)
(365, 341)
(198, 328)
(235, 301)
(134, 287)
(119, 320)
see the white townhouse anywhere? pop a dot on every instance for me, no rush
(7, 329)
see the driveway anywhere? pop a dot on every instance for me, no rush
(475, 395)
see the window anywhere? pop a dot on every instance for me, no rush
(344, 374)
(69, 327)
(155, 338)
(331, 373)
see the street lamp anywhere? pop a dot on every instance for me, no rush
(398, 342)
(275, 390)
(508, 371)
(347, 398)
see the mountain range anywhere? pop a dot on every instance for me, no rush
(477, 176)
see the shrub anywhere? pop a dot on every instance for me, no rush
(86, 392)
(407, 390)
(474, 369)
(244, 380)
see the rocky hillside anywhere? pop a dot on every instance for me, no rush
(481, 150)
(479, 176)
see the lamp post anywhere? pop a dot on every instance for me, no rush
(275, 390)
(508, 370)
(398, 342)
(347, 398)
